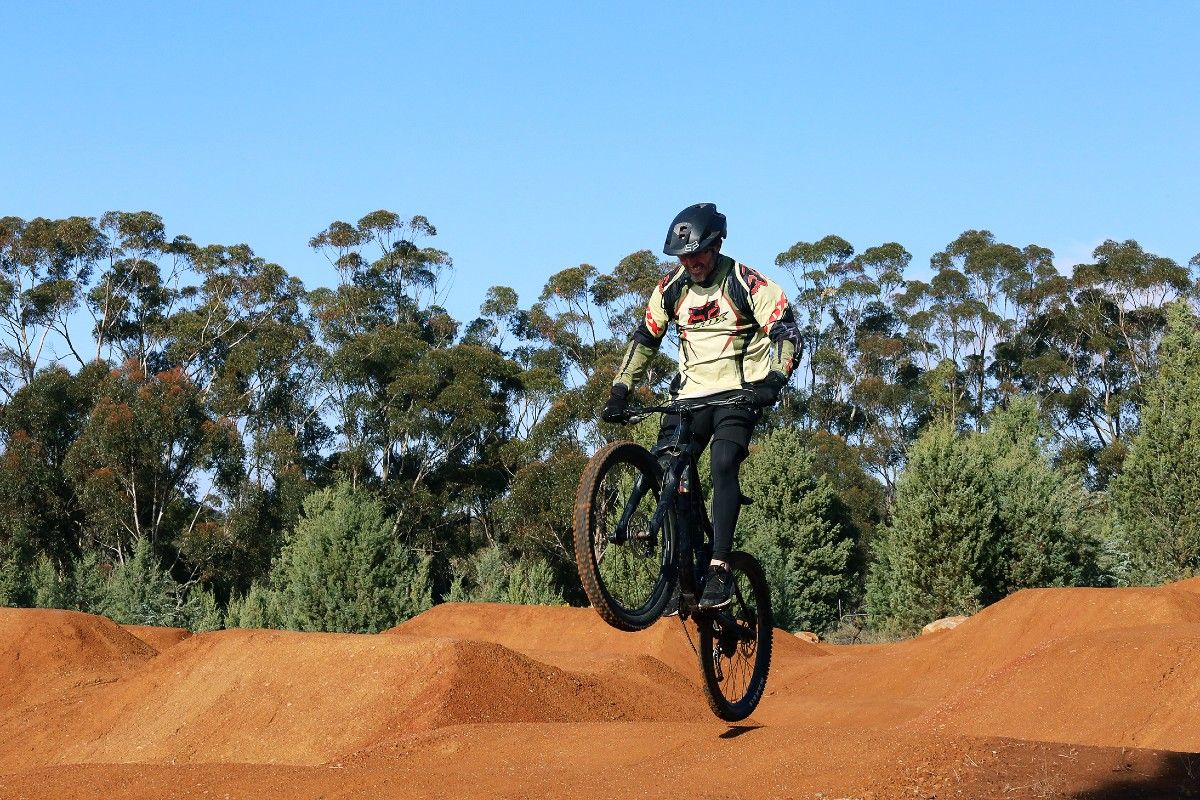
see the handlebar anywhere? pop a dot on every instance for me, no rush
(743, 398)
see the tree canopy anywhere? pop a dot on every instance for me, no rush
(170, 411)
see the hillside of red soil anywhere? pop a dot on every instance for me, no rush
(1049, 693)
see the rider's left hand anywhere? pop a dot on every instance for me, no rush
(766, 391)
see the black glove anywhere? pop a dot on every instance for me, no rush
(766, 391)
(614, 409)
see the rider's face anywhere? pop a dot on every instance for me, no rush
(699, 265)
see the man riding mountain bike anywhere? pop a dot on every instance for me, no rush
(737, 333)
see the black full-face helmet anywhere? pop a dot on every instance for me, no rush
(694, 229)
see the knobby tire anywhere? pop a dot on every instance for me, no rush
(735, 662)
(629, 582)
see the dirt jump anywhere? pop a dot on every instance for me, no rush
(1080, 693)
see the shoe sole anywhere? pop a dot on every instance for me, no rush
(715, 606)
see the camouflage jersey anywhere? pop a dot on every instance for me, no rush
(732, 332)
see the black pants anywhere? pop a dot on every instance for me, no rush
(729, 428)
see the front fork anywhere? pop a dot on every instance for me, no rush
(621, 533)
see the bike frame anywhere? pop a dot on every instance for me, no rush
(687, 550)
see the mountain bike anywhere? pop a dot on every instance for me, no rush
(641, 529)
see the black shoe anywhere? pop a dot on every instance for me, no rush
(718, 588)
(672, 607)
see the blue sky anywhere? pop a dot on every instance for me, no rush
(537, 136)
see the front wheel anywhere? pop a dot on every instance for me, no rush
(623, 554)
(735, 643)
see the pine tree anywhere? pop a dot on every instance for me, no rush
(258, 608)
(12, 587)
(1044, 514)
(1157, 496)
(491, 575)
(87, 583)
(341, 569)
(790, 528)
(942, 551)
(200, 611)
(50, 590)
(140, 592)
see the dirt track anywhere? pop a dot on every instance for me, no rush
(1050, 693)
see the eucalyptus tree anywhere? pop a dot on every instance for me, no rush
(862, 378)
(45, 266)
(419, 413)
(40, 516)
(242, 337)
(567, 346)
(1095, 338)
(141, 460)
(978, 273)
(138, 290)
(376, 329)
(587, 316)
(815, 268)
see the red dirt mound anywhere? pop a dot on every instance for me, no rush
(888, 684)
(158, 638)
(503, 701)
(1134, 687)
(574, 637)
(43, 651)
(290, 698)
(1186, 585)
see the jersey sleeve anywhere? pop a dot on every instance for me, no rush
(775, 316)
(647, 337)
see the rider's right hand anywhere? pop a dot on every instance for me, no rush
(614, 409)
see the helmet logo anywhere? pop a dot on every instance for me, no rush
(690, 247)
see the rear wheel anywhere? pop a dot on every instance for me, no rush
(624, 559)
(735, 643)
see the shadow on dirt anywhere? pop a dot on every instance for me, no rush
(991, 769)
(737, 730)
(1145, 775)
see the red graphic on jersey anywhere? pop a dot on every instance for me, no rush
(776, 313)
(662, 285)
(704, 313)
(753, 278)
(651, 325)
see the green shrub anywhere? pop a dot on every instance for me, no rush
(341, 569)
(941, 553)
(490, 575)
(12, 583)
(1044, 515)
(791, 529)
(200, 612)
(87, 583)
(140, 592)
(1157, 496)
(50, 589)
(258, 608)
